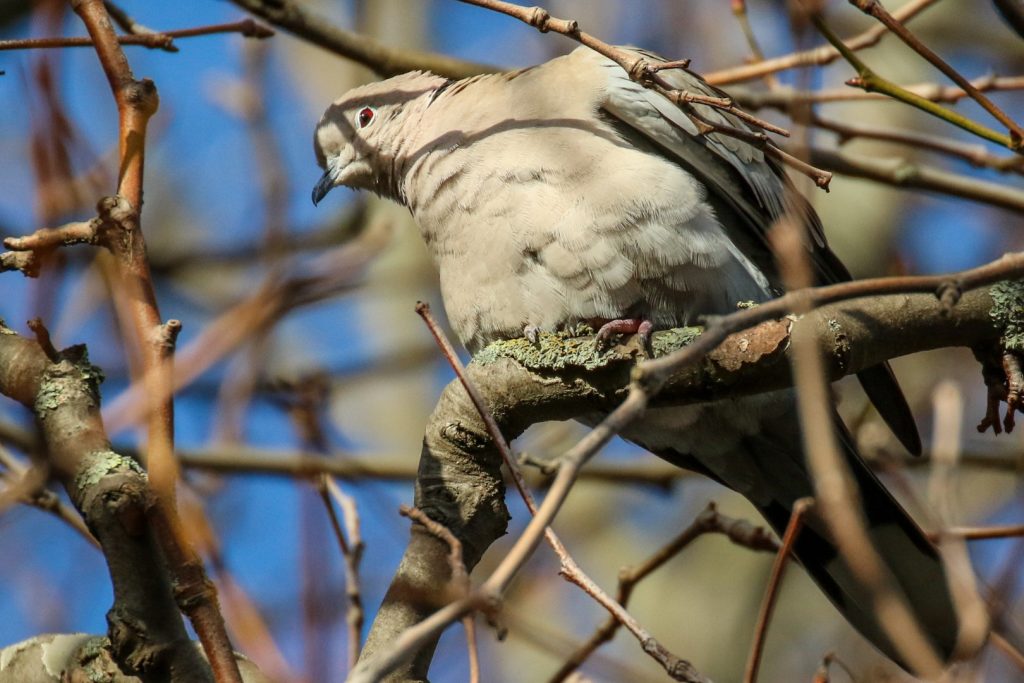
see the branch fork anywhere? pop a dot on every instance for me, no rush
(116, 221)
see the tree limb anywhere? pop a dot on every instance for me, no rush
(460, 483)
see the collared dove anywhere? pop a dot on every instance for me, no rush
(566, 192)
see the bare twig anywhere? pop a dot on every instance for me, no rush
(739, 10)
(913, 175)
(459, 581)
(163, 40)
(1007, 648)
(785, 98)
(137, 101)
(709, 521)
(835, 492)
(17, 474)
(818, 56)
(796, 521)
(976, 155)
(352, 553)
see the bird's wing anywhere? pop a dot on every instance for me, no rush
(736, 173)
(748, 190)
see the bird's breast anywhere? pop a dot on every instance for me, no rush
(545, 239)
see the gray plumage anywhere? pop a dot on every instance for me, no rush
(566, 193)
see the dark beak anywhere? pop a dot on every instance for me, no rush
(323, 186)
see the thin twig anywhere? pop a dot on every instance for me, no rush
(905, 173)
(1007, 648)
(834, 490)
(161, 41)
(796, 521)
(352, 553)
(819, 56)
(459, 580)
(709, 521)
(18, 476)
(137, 101)
(784, 98)
(976, 155)
(644, 72)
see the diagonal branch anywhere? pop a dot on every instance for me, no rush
(382, 59)
(460, 478)
(877, 10)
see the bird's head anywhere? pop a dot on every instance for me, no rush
(361, 135)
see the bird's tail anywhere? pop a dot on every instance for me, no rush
(910, 557)
(774, 476)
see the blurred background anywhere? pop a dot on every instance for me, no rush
(297, 316)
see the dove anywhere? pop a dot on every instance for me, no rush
(567, 193)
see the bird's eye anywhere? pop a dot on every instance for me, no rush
(365, 117)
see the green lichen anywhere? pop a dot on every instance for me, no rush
(1008, 313)
(567, 349)
(92, 374)
(49, 398)
(63, 381)
(664, 343)
(99, 464)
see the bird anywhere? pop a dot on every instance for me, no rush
(565, 193)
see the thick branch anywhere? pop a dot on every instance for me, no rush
(460, 482)
(111, 491)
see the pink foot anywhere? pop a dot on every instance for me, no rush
(643, 328)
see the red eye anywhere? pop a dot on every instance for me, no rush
(365, 117)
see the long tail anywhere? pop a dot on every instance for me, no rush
(771, 472)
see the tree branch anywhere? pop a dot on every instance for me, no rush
(460, 483)
(382, 59)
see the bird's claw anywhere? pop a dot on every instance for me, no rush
(1005, 382)
(532, 333)
(642, 328)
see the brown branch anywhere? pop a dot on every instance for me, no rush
(163, 40)
(137, 101)
(784, 98)
(976, 155)
(459, 580)
(458, 456)
(916, 176)
(677, 668)
(352, 552)
(875, 9)
(819, 56)
(382, 59)
(638, 68)
(835, 493)
(111, 492)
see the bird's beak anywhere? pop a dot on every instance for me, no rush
(325, 184)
